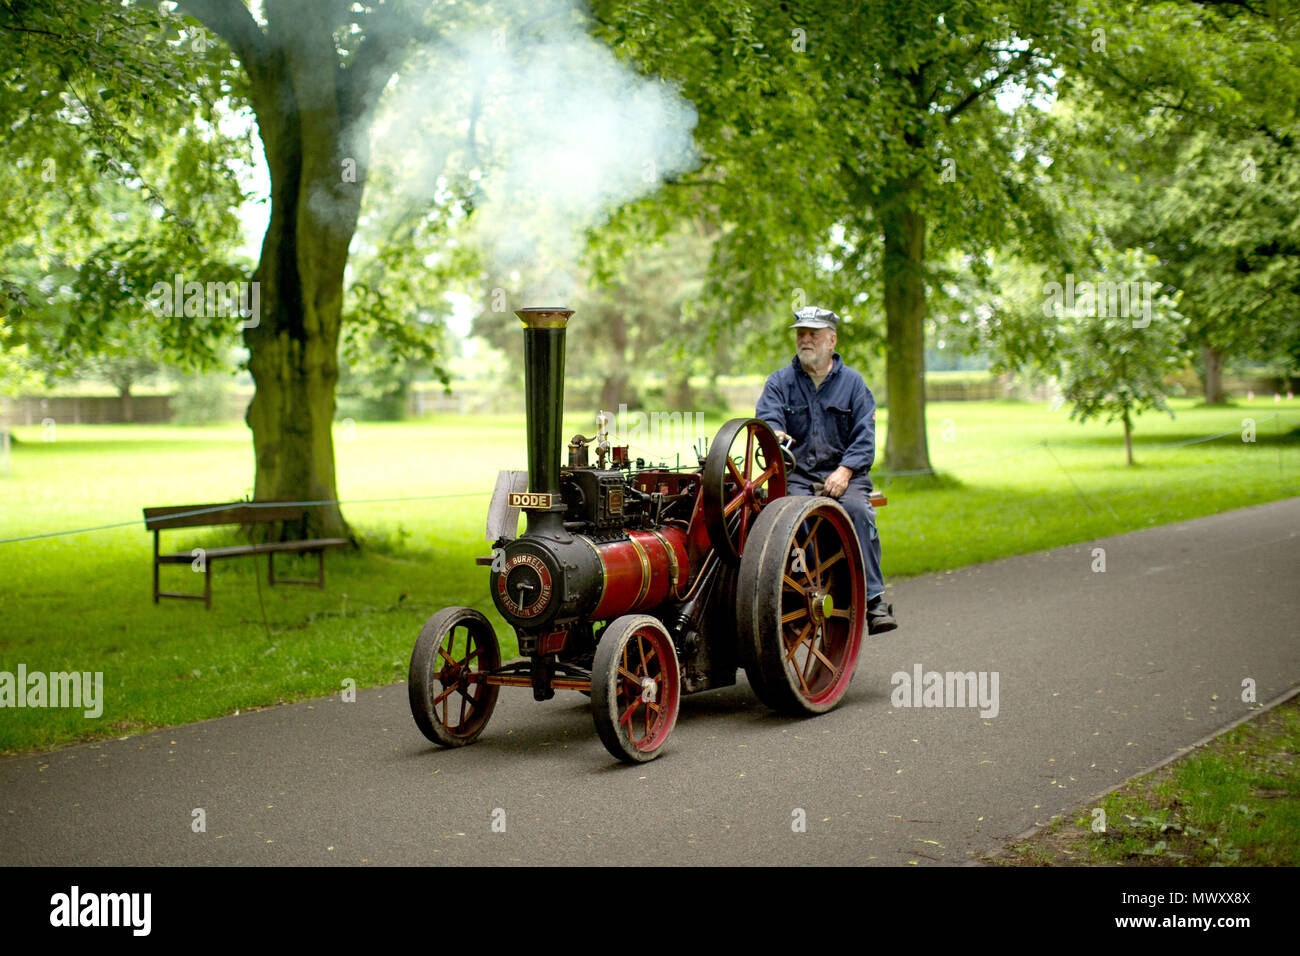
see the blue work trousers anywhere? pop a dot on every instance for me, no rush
(857, 502)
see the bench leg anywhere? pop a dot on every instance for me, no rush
(318, 581)
(155, 582)
(207, 585)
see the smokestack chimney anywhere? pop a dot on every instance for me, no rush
(544, 401)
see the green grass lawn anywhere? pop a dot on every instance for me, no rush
(82, 602)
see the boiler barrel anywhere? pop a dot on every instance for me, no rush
(640, 572)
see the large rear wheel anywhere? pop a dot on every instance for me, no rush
(801, 605)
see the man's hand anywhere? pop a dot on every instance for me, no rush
(781, 436)
(838, 481)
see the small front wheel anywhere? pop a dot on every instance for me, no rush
(451, 700)
(635, 688)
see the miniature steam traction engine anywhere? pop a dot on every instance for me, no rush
(638, 584)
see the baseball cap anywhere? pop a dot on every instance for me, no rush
(812, 317)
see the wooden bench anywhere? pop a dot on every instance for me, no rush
(236, 512)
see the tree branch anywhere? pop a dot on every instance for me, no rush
(367, 74)
(232, 21)
(47, 33)
(392, 30)
(1020, 59)
(1234, 4)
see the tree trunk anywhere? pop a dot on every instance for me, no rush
(314, 114)
(615, 387)
(680, 394)
(124, 395)
(904, 279)
(1213, 361)
(293, 348)
(615, 391)
(1128, 437)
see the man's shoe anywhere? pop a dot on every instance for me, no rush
(880, 616)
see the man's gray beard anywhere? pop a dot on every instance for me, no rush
(810, 369)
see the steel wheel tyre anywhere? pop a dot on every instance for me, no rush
(635, 688)
(735, 492)
(450, 699)
(801, 605)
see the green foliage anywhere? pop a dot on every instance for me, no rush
(1165, 151)
(1115, 367)
(1214, 168)
(17, 369)
(812, 121)
(1111, 336)
(115, 174)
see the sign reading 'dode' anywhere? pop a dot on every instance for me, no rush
(531, 500)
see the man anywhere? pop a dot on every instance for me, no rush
(830, 414)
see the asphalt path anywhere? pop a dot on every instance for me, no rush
(1101, 674)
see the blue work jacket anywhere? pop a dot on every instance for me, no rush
(831, 426)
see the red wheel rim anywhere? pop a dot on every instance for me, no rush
(460, 702)
(823, 598)
(751, 485)
(645, 693)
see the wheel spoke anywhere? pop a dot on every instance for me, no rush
(840, 612)
(799, 642)
(802, 682)
(835, 671)
(808, 659)
(441, 698)
(828, 562)
(793, 615)
(809, 541)
(734, 503)
(791, 582)
(731, 466)
(812, 540)
(762, 479)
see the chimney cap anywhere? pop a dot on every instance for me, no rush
(544, 317)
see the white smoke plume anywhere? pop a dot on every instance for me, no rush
(554, 129)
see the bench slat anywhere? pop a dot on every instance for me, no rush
(185, 557)
(236, 512)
